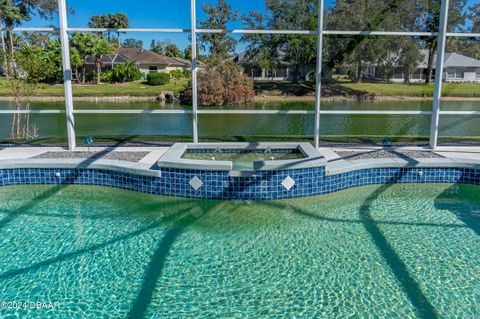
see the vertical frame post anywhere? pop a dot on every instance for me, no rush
(67, 73)
(437, 95)
(194, 70)
(318, 75)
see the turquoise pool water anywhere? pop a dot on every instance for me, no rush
(394, 251)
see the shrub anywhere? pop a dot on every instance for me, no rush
(126, 72)
(187, 73)
(107, 76)
(158, 78)
(176, 74)
(89, 76)
(221, 84)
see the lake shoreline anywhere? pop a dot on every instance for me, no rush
(262, 98)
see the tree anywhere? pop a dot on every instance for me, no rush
(80, 42)
(430, 21)
(96, 46)
(171, 50)
(187, 52)
(33, 65)
(474, 17)
(119, 21)
(219, 45)
(159, 46)
(132, 43)
(77, 62)
(126, 72)
(271, 49)
(13, 12)
(407, 55)
(8, 12)
(53, 55)
(378, 15)
(221, 84)
(356, 51)
(110, 21)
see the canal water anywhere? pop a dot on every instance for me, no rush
(218, 127)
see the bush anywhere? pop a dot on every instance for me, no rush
(89, 76)
(221, 84)
(126, 72)
(187, 73)
(158, 78)
(106, 76)
(176, 74)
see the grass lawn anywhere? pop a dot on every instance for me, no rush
(415, 89)
(137, 88)
(347, 88)
(267, 88)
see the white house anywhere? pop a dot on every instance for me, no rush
(457, 68)
(283, 70)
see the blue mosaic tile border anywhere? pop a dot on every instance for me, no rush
(266, 185)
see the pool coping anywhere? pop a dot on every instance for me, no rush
(97, 164)
(334, 167)
(173, 157)
(345, 166)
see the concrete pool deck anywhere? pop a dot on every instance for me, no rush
(450, 156)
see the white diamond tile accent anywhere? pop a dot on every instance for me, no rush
(196, 183)
(288, 183)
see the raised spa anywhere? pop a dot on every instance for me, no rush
(242, 157)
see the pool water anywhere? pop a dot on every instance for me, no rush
(243, 160)
(391, 251)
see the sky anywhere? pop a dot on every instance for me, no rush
(146, 14)
(150, 14)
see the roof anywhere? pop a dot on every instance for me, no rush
(244, 58)
(107, 59)
(146, 56)
(451, 60)
(184, 61)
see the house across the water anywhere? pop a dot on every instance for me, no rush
(147, 61)
(457, 68)
(283, 70)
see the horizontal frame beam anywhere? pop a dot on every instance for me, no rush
(227, 112)
(467, 35)
(252, 31)
(132, 112)
(124, 30)
(32, 111)
(21, 29)
(382, 33)
(246, 31)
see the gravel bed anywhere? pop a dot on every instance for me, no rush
(119, 156)
(360, 155)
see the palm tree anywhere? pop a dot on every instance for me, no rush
(118, 21)
(131, 70)
(8, 13)
(110, 21)
(97, 46)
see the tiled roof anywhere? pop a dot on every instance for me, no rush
(146, 56)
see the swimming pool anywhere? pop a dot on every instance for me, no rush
(388, 251)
